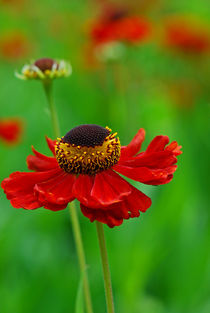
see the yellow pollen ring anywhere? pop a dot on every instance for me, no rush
(88, 160)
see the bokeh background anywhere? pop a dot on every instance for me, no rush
(160, 262)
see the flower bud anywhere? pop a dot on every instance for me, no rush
(45, 69)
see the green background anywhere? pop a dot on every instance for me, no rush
(160, 262)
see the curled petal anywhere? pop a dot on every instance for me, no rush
(114, 214)
(40, 162)
(155, 166)
(173, 147)
(134, 146)
(146, 175)
(154, 160)
(157, 144)
(51, 144)
(103, 189)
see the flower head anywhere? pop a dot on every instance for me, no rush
(85, 165)
(187, 36)
(11, 130)
(116, 28)
(45, 69)
(116, 24)
(14, 46)
(87, 149)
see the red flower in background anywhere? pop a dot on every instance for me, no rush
(84, 167)
(11, 130)
(14, 46)
(13, 2)
(187, 36)
(116, 24)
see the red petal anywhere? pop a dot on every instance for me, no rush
(137, 201)
(40, 162)
(109, 188)
(111, 218)
(51, 144)
(102, 189)
(82, 189)
(174, 148)
(114, 214)
(134, 146)
(155, 166)
(27, 201)
(154, 160)
(54, 207)
(11, 130)
(158, 144)
(146, 175)
(19, 188)
(56, 190)
(132, 29)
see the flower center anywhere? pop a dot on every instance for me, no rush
(87, 149)
(45, 64)
(118, 14)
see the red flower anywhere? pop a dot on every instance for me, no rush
(118, 25)
(187, 36)
(11, 130)
(84, 167)
(14, 46)
(14, 2)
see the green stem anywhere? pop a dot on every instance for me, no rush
(72, 209)
(105, 265)
(81, 256)
(48, 91)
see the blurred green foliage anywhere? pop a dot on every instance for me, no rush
(160, 261)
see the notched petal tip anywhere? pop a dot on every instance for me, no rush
(157, 144)
(173, 147)
(134, 146)
(154, 166)
(114, 215)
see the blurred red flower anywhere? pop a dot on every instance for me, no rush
(14, 46)
(76, 171)
(13, 2)
(11, 130)
(187, 36)
(116, 24)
